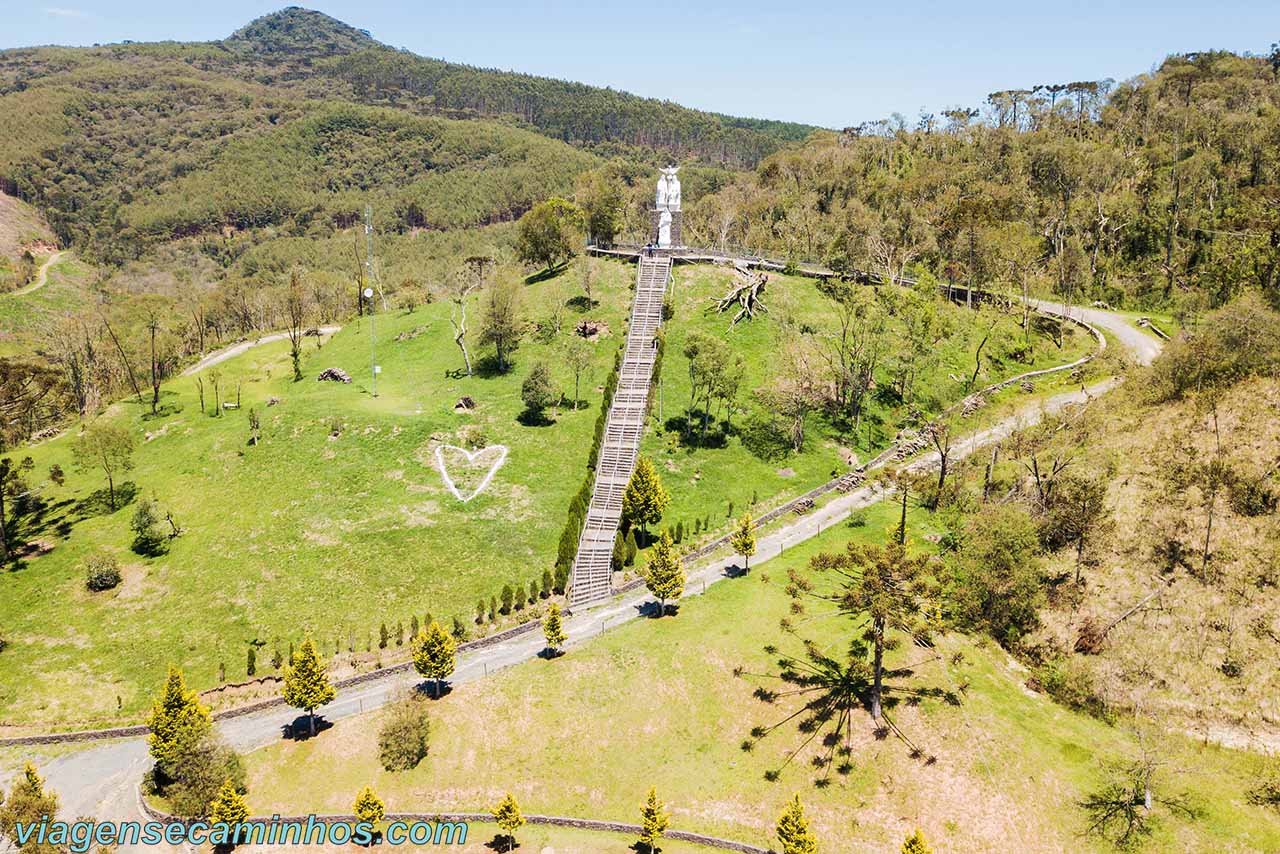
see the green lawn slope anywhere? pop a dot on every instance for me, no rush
(656, 703)
(339, 519)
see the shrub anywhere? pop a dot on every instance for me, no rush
(403, 739)
(1238, 340)
(1252, 497)
(1265, 791)
(147, 537)
(101, 572)
(538, 391)
(1070, 684)
(199, 773)
(995, 581)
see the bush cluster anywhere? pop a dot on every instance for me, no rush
(101, 572)
(403, 739)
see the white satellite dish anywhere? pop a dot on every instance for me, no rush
(368, 293)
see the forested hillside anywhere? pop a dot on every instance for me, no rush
(1161, 190)
(106, 140)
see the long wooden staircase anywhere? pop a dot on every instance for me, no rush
(592, 569)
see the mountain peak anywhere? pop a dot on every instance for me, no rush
(294, 31)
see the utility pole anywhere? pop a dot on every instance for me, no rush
(369, 274)
(373, 356)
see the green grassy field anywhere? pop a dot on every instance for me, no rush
(656, 703)
(339, 520)
(704, 480)
(308, 530)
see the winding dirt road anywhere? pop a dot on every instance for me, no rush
(230, 352)
(42, 275)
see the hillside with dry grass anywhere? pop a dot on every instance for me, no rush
(1156, 507)
(24, 238)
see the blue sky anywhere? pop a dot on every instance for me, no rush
(833, 64)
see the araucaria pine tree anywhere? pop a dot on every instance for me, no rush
(665, 575)
(915, 844)
(434, 654)
(886, 589)
(306, 682)
(743, 540)
(178, 722)
(553, 630)
(229, 806)
(645, 500)
(653, 822)
(793, 830)
(507, 816)
(369, 807)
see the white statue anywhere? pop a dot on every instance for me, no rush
(669, 190)
(664, 229)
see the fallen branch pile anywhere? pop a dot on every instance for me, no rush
(746, 294)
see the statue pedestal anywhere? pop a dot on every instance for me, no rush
(676, 230)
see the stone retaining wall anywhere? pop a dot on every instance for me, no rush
(549, 820)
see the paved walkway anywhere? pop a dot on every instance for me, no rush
(230, 352)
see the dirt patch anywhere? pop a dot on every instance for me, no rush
(327, 536)
(592, 329)
(34, 548)
(420, 515)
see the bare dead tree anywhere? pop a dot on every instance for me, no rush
(295, 312)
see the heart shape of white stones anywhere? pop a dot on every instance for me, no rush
(471, 458)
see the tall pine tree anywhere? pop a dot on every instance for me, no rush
(654, 820)
(178, 722)
(434, 655)
(306, 682)
(743, 540)
(368, 807)
(915, 844)
(508, 817)
(553, 630)
(665, 575)
(27, 804)
(229, 806)
(645, 500)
